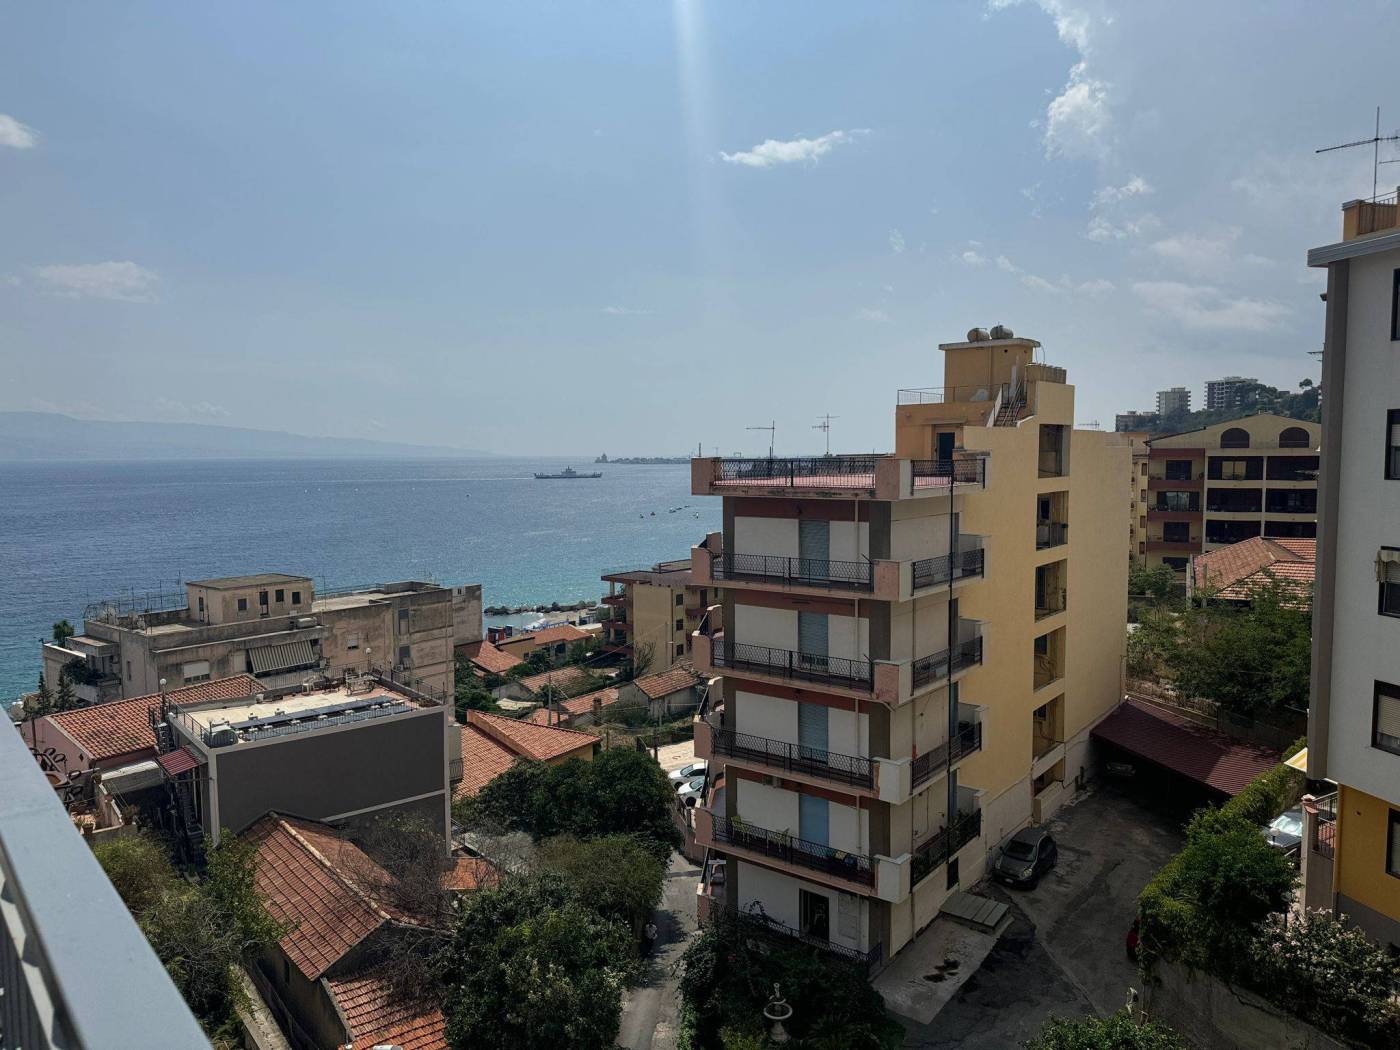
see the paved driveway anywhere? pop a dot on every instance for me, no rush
(650, 1011)
(1064, 952)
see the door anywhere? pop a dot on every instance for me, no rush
(812, 731)
(812, 640)
(814, 819)
(945, 439)
(813, 549)
(814, 914)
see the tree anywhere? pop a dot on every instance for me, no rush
(66, 699)
(470, 694)
(199, 952)
(617, 875)
(1119, 1032)
(530, 966)
(230, 887)
(639, 663)
(62, 631)
(138, 868)
(39, 703)
(1153, 644)
(1158, 581)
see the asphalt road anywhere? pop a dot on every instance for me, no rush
(650, 1011)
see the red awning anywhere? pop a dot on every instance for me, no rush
(177, 762)
(1174, 742)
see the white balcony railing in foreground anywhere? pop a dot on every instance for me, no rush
(75, 971)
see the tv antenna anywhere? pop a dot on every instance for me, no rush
(1375, 143)
(772, 429)
(825, 427)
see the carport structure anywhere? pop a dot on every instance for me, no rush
(1172, 742)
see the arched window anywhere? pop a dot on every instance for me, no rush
(1294, 437)
(1235, 437)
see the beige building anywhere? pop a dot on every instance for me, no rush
(270, 625)
(913, 652)
(658, 608)
(1136, 441)
(1255, 476)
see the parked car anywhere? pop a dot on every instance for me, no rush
(1285, 832)
(692, 791)
(1025, 857)
(688, 773)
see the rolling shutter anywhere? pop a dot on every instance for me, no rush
(1388, 565)
(289, 656)
(812, 633)
(1388, 721)
(814, 819)
(812, 728)
(814, 547)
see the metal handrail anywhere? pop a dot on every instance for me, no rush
(967, 741)
(939, 847)
(779, 845)
(785, 663)
(856, 575)
(938, 395)
(1050, 534)
(760, 920)
(963, 564)
(788, 469)
(947, 662)
(779, 754)
(960, 470)
(1054, 602)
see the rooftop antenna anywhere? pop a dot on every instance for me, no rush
(1375, 143)
(825, 427)
(772, 429)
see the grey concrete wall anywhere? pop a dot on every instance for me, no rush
(466, 614)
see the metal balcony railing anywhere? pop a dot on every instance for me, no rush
(66, 937)
(1049, 601)
(784, 663)
(788, 849)
(1325, 831)
(936, 849)
(807, 471)
(964, 564)
(779, 754)
(935, 760)
(756, 919)
(939, 473)
(816, 572)
(927, 669)
(1050, 534)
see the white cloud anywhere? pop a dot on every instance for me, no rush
(1136, 186)
(1204, 308)
(190, 409)
(123, 281)
(1064, 284)
(623, 311)
(16, 135)
(1003, 263)
(772, 152)
(896, 241)
(974, 258)
(866, 313)
(1077, 120)
(1102, 229)
(1205, 254)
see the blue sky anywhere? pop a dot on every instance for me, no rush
(632, 227)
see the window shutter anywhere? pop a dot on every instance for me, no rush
(1392, 853)
(1388, 566)
(1388, 717)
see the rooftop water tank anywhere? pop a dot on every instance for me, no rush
(1002, 332)
(977, 335)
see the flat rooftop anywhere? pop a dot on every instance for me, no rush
(257, 579)
(348, 601)
(297, 712)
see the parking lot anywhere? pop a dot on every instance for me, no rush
(1064, 952)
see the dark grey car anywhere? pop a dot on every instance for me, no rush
(1025, 857)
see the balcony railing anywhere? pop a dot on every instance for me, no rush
(780, 846)
(1047, 669)
(64, 933)
(930, 572)
(945, 843)
(927, 669)
(940, 473)
(784, 663)
(1050, 534)
(940, 395)
(932, 762)
(779, 754)
(816, 572)
(756, 919)
(1325, 831)
(807, 472)
(1049, 601)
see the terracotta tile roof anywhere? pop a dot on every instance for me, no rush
(564, 632)
(1235, 571)
(483, 759)
(672, 680)
(490, 659)
(471, 873)
(177, 762)
(528, 739)
(375, 1016)
(1174, 742)
(565, 679)
(313, 878)
(121, 727)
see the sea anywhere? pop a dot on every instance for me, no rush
(72, 534)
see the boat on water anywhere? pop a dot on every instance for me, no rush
(568, 473)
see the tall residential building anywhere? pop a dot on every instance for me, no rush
(1224, 394)
(270, 625)
(1128, 422)
(913, 650)
(657, 608)
(1255, 476)
(1173, 402)
(1137, 494)
(1352, 860)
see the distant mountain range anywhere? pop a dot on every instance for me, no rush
(32, 436)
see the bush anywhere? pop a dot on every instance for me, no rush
(138, 869)
(1270, 793)
(1118, 1032)
(618, 876)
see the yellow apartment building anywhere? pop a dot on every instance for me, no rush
(656, 608)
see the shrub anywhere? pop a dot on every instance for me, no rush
(1118, 1032)
(616, 875)
(1270, 793)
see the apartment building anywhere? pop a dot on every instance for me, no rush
(1125, 422)
(270, 625)
(1207, 488)
(659, 608)
(1224, 394)
(1136, 441)
(1351, 862)
(1173, 402)
(913, 650)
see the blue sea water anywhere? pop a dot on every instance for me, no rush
(74, 533)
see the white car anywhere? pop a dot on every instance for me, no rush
(692, 791)
(688, 773)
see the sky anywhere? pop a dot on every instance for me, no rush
(643, 227)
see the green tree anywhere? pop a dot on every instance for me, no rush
(230, 886)
(39, 703)
(618, 876)
(1153, 644)
(62, 631)
(1158, 581)
(1119, 1032)
(530, 966)
(65, 699)
(199, 951)
(138, 868)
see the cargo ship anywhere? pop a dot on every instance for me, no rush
(568, 473)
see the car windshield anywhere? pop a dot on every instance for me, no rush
(1020, 850)
(1288, 824)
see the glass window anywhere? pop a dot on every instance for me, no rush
(1395, 307)
(680, 599)
(1235, 437)
(195, 671)
(1392, 845)
(1385, 718)
(296, 597)
(1389, 581)
(1293, 437)
(262, 597)
(680, 625)
(1176, 531)
(1392, 444)
(242, 604)
(1244, 468)
(1179, 564)
(1178, 470)
(1292, 501)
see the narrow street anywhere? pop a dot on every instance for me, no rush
(650, 1011)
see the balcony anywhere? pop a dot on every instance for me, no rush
(965, 564)
(615, 599)
(1159, 546)
(850, 770)
(934, 475)
(1160, 513)
(809, 572)
(64, 933)
(758, 921)
(945, 843)
(797, 666)
(787, 849)
(1193, 484)
(1050, 534)
(932, 762)
(1049, 601)
(1370, 216)
(816, 475)
(937, 666)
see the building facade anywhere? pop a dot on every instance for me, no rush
(1208, 488)
(658, 608)
(1126, 422)
(899, 683)
(1352, 854)
(1173, 402)
(1224, 394)
(1136, 441)
(270, 625)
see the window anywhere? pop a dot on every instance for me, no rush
(128, 670)
(296, 597)
(1392, 845)
(1231, 531)
(195, 671)
(1244, 468)
(1178, 470)
(280, 596)
(201, 606)
(680, 648)
(1392, 444)
(680, 599)
(1235, 437)
(405, 657)
(242, 604)
(403, 621)
(1178, 501)
(1388, 580)
(1385, 718)
(814, 914)
(352, 642)
(1292, 501)
(1178, 564)
(680, 625)
(1234, 501)
(1395, 308)
(1142, 547)
(262, 597)
(1176, 531)
(1292, 468)
(1294, 437)
(1296, 530)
